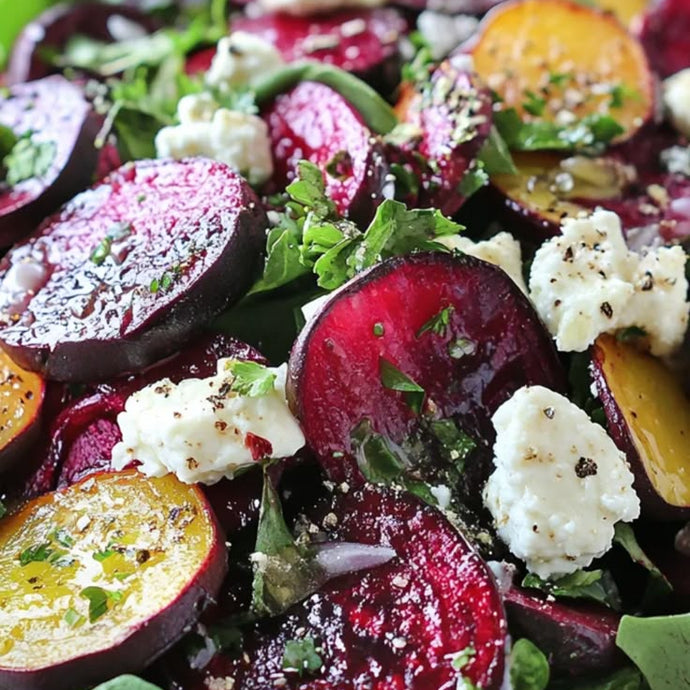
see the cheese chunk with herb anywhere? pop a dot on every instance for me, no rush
(560, 484)
(206, 429)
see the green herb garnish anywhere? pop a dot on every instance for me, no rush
(438, 323)
(28, 159)
(98, 601)
(395, 380)
(301, 656)
(251, 379)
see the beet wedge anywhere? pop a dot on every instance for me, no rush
(456, 327)
(404, 624)
(314, 122)
(128, 271)
(665, 36)
(57, 126)
(102, 578)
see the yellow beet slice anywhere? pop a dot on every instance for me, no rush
(550, 59)
(100, 578)
(21, 399)
(626, 10)
(648, 417)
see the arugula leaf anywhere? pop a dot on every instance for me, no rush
(596, 585)
(284, 573)
(251, 379)
(495, 155)
(529, 668)
(395, 380)
(659, 648)
(28, 159)
(309, 189)
(301, 656)
(98, 601)
(126, 682)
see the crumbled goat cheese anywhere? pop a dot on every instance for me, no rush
(676, 92)
(235, 138)
(199, 428)
(442, 32)
(242, 59)
(303, 7)
(560, 484)
(676, 159)
(502, 250)
(586, 282)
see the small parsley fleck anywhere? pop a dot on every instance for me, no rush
(438, 323)
(301, 656)
(251, 379)
(395, 380)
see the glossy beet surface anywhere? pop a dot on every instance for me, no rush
(665, 35)
(128, 271)
(493, 345)
(58, 116)
(314, 122)
(394, 626)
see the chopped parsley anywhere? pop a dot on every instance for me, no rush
(378, 329)
(438, 323)
(102, 250)
(73, 618)
(35, 554)
(460, 659)
(456, 445)
(28, 159)
(301, 656)
(395, 380)
(533, 104)
(251, 379)
(98, 600)
(597, 585)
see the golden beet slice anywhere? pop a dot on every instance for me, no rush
(102, 577)
(548, 57)
(21, 399)
(648, 416)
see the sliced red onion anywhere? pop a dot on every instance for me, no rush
(338, 558)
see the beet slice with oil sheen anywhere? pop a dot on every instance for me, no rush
(314, 122)
(665, 36)
(128, 271)
(456, 326)
(60, 125)
(399, 625)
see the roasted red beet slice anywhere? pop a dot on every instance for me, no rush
(665, 35)
(363, 42)
(128, 271)
(53, 28)
(58, 118)
(578, 638)
(450, 119)
(399, 625)
(314, 122)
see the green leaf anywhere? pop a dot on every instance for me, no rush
(126, 682)
(101, 556)
(473, 180)
(395, 380)
(456, 445)
(28, 159)
(596, 585)
(623, 679)
(533, 104)
(309, 189)
(73, 618)
(251, 379)
(35, 554)
(529, 669)
(438, 323)
(301, 656)
(8, 139)
(226, 637)
(495, 155)
(659, 648)
(98, 601)
(62, 537)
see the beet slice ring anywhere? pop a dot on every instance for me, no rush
(129, 270)
(492, 345)
(315, 122)
(56, 115)
(399, 625)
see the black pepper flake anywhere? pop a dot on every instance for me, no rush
(585, 467)
(143, 555)
(606, 310)
(221, 425)
(550, 412)
(191, 463)
(648, 281)
(568, 256)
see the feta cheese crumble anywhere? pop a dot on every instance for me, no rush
(242, 59)
(201, 430)
(586, 282)
(237, 139)
(502, 250)
(443, 32)
(676, 93)
(560, 484)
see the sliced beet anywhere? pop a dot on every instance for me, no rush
(665, 35)
(492, 344)
(128, 271)
(54, 27)
(399, 625)
(578, 638)
(57, 116)
(450, 119)
(314, 122)
(363, 42)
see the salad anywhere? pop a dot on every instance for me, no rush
(345, 345)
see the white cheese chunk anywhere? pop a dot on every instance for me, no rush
(443, 32)
(502, 250)
(586, 282)
(235, 138)
(242, 59)
(560, 484)
(304, 7)
(676, 93)
(198, 428)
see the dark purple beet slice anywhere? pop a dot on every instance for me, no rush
(57, 114)
(186, 238)
(53, 28)
(395, 626)
(363, 42)
(578, 638)
(314, 122)
(453, 117)
(665, 35)
(334, 381)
